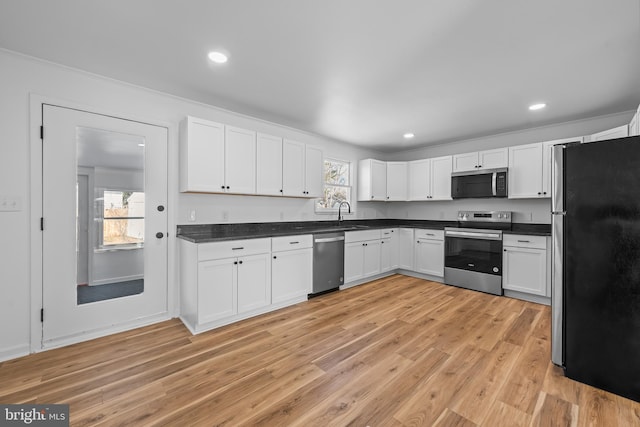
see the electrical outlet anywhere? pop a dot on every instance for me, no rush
(281, 216)
(192, 215)
(10, 204)
(225, 216)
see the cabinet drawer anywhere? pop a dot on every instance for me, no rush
(429, 234)
(524, 241)
(388, 232)
(289, 243)
(361, 236)
(233, 248)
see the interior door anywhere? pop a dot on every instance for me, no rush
(127, 221)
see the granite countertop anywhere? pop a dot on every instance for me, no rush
(220, 232)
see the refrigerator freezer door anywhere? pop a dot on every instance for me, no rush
(557, 224)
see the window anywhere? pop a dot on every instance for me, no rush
(337, 185)
(122, 215)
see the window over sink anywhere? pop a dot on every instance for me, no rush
(337, 185)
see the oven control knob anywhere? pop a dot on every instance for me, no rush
(499, 215)
(495, 269)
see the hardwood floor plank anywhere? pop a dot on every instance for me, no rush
(396, 351)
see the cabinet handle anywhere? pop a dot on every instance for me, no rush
(281, 190)
(505, 250)
(237, 249)
(524, 241)
(274, 257)
(228, 187)
(382, 242)
(544, 192)
(539, 193)
(222, 187)
(235, 262)
(240, 262)
(430, 234)
(294, 243)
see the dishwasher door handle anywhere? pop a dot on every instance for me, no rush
(329, 239)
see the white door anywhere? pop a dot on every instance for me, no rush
(128, 224)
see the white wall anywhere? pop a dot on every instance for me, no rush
(525, 210)
(23, 76)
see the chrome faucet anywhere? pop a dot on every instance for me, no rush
(340, 210)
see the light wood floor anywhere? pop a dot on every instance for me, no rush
(398, 351)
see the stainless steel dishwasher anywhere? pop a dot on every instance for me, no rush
(328, 262)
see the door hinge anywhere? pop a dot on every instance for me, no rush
(42, 132)
(41, 224)
(42, 315)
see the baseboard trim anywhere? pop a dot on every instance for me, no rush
(14, 352)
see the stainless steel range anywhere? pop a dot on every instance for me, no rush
(473, 251)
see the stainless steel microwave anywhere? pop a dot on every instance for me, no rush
(479, 184)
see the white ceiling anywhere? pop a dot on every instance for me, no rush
(359, 71)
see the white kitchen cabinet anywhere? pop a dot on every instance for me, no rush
(223, 280)
(291, 267)
(405, 248)
(547, 161)
(396, 181)
(269, 165)
(201, 156)
(430, 179)
(301, 170)
(429, 252)
(240, 161)
(389, 249)
(487, 159)
(525, 171)
(361, 254)
(524, 264)
(372, 180)
(617, 132)
(215, 158)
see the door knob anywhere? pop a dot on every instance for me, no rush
(159, 235)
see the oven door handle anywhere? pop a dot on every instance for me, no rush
(472, 235)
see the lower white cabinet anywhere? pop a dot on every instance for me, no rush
(253, 282)
(361, 254)
(217, 289)
(429, 252)
(291, 267)
(405, 248)
(524, 264)
(389, 250)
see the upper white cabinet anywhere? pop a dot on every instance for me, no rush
(617, 132)
(396, 181)
(372, 180)
(430, 179)
(301, 170)
(201, 156)
(525, 171)
(269, 165)
(488, 159)
(239, 161)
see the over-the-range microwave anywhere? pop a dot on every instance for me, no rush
(479, 184)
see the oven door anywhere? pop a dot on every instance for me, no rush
(474, 250)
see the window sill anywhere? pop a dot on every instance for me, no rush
(118, 248)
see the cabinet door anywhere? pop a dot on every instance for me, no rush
(491, 159)
(525, 171)
(547, 166)
(254, 282)
(313, 172)
(291, 274)
(405, 248)
(240, 161)
(429, 257)
(293, 162)
(465, 162)
(441, 178)
(371, 258)
(419, 176)
(388, 254)
(216, 289)
(525, 270)
(202, 156)
(268, 165)
(617, 132)
(378, 180)
(397, 181)
(353, 261)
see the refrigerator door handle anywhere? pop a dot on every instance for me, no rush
(557, 252)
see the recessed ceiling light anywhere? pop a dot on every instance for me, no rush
(537, 106)
(218, 57)
(141, 145)
(408, 135)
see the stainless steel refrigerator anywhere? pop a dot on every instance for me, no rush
(596, 264)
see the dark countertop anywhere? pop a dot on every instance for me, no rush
(220, 232)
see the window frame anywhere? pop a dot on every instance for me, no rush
(331, 211)
(100, 221)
